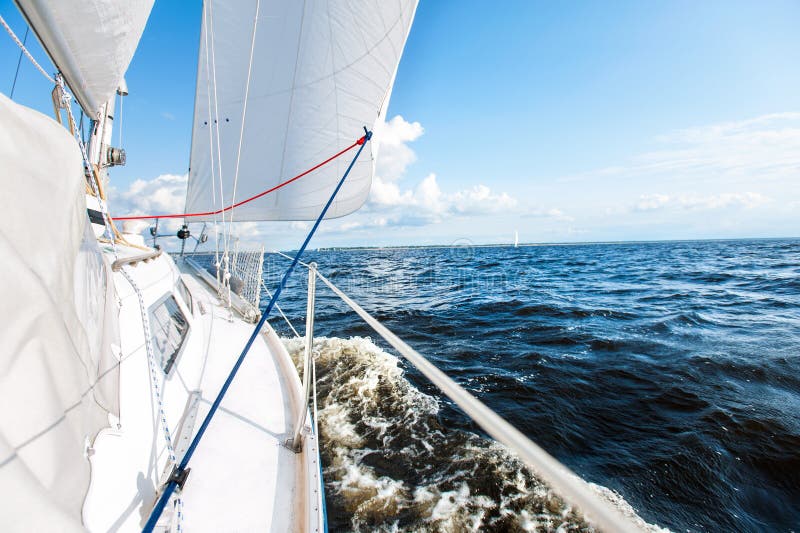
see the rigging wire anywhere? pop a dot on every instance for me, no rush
(19, 62)
(213, 72)
(244, 107)
(229, 231)
(25, 50)
(211, 144)
(278, 307)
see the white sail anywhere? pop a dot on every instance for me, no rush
(58, 322)
(91, 43)
(321, 70)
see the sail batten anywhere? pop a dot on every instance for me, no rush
(322, 71)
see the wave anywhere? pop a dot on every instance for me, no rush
(390, 464)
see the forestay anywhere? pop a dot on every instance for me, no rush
(91, 43)
(321, 70)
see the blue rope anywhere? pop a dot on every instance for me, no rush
(181, 469)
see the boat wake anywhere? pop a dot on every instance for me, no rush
(391, 465)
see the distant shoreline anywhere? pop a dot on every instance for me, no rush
(539, 244)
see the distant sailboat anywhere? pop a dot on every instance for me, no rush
(516, 239)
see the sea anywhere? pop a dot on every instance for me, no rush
(666, 374)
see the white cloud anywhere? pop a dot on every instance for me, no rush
(428, 202)
(480, 200)
(761, 148)
(424, 202)
(650, 202)
(393, 153)
(165, 194)
(299, 225)
(161, 195)
(352, 225)
(746, 200)
(552, 213)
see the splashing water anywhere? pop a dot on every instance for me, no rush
(391, 465)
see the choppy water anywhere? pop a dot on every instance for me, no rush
(668, 373)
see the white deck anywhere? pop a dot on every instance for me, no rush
(234, 483)
(242, 477)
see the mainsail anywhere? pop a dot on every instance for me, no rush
(91, 43)
(283, 85)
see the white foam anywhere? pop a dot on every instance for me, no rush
(437, 477)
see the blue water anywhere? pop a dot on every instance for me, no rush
(668, 372)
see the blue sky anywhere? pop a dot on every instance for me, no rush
(566, 121)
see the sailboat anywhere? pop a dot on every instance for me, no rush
(516, 239)
(137, 392)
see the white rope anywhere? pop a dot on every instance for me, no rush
(25, 50)
(211, 146)
(229, 231)
(244, 106)
(560, 478)
(154, 385)
(225, 280)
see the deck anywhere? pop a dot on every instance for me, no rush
(242, 477)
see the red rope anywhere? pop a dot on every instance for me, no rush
(259, 195)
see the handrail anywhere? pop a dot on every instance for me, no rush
(561, 479)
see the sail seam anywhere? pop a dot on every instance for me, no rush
(291, 94)
(335, 82)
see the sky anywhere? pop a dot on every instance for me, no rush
(562, 121)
